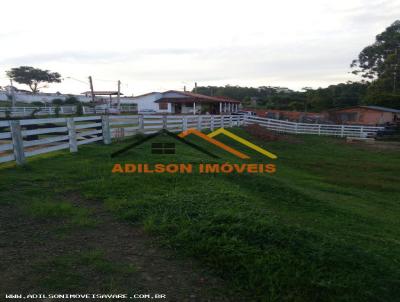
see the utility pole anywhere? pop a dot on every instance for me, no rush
(395, 65)
(195, 87)
(395, 70)
(119, 94)
(12, 94)
(91, 88)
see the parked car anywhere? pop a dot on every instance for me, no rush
(389, 132)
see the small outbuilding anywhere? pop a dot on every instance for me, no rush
(105, 96)
(365, 115)
(183, 102)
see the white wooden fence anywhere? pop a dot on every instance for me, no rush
(20, 139)
(319, 129)
(63, 110)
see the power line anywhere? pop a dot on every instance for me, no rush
(71, 78)
(102, 80)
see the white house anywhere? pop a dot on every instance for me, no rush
(183, 102)
(145, 101)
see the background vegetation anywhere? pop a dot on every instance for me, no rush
(378, 65)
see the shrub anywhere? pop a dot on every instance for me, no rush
(57, 102)
(79, 109)
(57, 111)
(32, 115)
(71, 100)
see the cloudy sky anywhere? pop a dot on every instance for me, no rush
(157, 45)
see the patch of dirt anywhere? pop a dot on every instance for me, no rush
(25, 241)
(268, 135)
(376, 145)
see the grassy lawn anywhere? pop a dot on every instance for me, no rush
(324, 227)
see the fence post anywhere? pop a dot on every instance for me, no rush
(18, 143)
(230, 121)
(73, 146)
(141, 124)
(319, 129)
(105, 126)
(212, 123)
(295, 128)
(164, 121)
(342, 131)
(184, 123)
(361, 131)
(199, 119)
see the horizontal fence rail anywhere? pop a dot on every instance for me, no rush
(318, 129)
(20, 139)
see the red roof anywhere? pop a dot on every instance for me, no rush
(202, 97)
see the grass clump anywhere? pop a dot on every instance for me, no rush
(50, 209)
(79, 270)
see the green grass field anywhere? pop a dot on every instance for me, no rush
(324, 227)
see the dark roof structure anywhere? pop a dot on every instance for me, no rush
(380, 108)
(102, 92)
(377, 108)
(195, 97)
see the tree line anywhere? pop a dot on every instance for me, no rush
(377, 64)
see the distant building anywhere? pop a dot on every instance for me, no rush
(104, 96)
(282, 89)
(364, 115)
(28, 97)
(183, 102)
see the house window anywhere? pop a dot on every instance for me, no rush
(349, 116)
(163, 106)
(163, 148)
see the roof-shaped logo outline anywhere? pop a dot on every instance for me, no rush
(163, 131)
(242, 141)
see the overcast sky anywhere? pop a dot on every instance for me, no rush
(157, 45)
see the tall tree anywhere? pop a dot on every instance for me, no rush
(372, 61)
(379, 64)
(33, 77)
